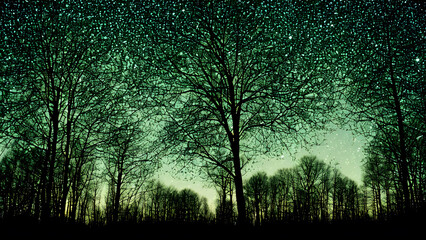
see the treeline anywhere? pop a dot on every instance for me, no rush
(316, 192)
(383, 178)
(94, 201)
(158, 203)
(310, 192)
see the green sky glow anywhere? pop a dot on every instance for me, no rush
(340, 147)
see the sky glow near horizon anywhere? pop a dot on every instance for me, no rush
(341, 148)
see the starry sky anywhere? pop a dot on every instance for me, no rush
(340, 148)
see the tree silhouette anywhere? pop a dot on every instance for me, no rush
(51, 69)
(280, 194)
(166, 204)
(257, 190)
(20, 170)
(128, 164)
(60, 77)
(233, 77)
(93, 94)
(223, 182)
(312, 177)
(312, 191)
(385, 68)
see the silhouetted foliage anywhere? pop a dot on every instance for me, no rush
(311, 192)
(385, 85)
(166, 204)
(235, 81)
(63, 85)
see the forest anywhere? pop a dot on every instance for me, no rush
(96, 96)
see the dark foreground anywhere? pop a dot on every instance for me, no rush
(33, 230)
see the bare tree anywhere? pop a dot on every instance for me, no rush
(236, 81)
(257, 190)
(309, 176)
(280, 194)
(383, 71)
(129, 161)
(166, 204)
(52, 68)
(62, 79)
(223, 182)
(20, 171)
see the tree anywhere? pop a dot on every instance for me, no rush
(309, 192)
(345, 198)
(129, 162)
(223, 182)
(188, 206)
(384, 70)
(237, 79)
(51, 79)
(65, 76)
(280, 194)
(309, 175)
(257, 190)
(166, 204)
(160, 206)
(19, 171)
(206, 215)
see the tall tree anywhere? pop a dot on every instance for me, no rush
(239, 77)
(309, 175)
(56, 84)
(385, 68)
(129, 162)
(257, 189)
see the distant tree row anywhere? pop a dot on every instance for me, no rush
(94, 201)
(166, 204)
(158, 203)
(312, 191)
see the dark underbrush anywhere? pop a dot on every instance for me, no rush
(25, 228)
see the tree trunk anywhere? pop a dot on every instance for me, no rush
(65, 187)
(53, 139)
(257, 208)
(238, 180)
(43, 180)
(55, 123)
(118, 188)
(117, 199)
(223, 206)
(235, 146)
(402, 147)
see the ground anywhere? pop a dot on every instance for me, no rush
(33, 230)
